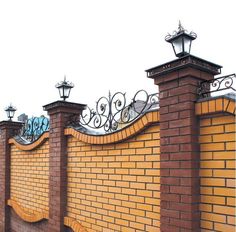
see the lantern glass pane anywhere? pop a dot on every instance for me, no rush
(61, 91)
(8, 113)
(178, 46)
(11, 114)
(187, 44)
(66, 91)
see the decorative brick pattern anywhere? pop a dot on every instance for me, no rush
(19, 225)
(31, 146)
(74, 225)
(217, 172)
(217, 105)
(118, 136)
(30, 178)
(24, 214)
(115, 187)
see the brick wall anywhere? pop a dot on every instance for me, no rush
(29, 178)
(217, 172)
(113, 181)
(115, 187)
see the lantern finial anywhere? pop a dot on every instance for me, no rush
(180, 27)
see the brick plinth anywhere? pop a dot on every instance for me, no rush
(7, 130)
(60, 113)
(178, 82)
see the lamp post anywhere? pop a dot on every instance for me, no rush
(64, 88)
(181, 41)
(10, 110)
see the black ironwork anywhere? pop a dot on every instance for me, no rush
(181, 41)
(189, 60)
(218, 84)
(112, 112)
(64, 88)
(180, 30)
(34, 127)
(10, 110)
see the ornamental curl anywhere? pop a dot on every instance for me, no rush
(34, 127)
(216, 85)
(113, 113)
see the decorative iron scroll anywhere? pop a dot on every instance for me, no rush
(113, 113)
(34, 127)
(218, 84)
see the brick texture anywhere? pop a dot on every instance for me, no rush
(60, 113)
(18, 225)
(7, 130)
(217, 173)
(179, 155)
(115, 187)
(30, 178)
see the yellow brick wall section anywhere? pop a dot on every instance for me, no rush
(217, 172)
(115, 187)
(30, 178)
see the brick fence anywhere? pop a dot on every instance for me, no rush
(170, 170)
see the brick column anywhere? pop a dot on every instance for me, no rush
(60, 113)
(178, 81)
(7, 130)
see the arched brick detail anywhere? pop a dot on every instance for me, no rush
(74, 225)
(125, 133)
(26, 216)
(31, 146)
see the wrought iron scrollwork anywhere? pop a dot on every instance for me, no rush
(218, 84)
(34, 127)
(113, 112)
(181, 29)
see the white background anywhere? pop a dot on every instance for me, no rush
(101, 45)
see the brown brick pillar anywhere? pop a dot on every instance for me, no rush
(7, 130)
(60, 113)
(180, 189)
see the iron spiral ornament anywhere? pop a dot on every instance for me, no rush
(227, 82)
(34, 127)
(113, 112)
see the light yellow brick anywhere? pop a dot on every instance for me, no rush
(225, 192)
(230, 164)
(205, 122)
(213, 199)
(230, 128)
(213, 217)
(212, 164)
(224, 210)
(212, 130)
(230, 146)
(212, 147)
(205, 207)
(224, 155)
(224, 173)
(212, 181)
(231, 201)
(224, 227)
(206, 224)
